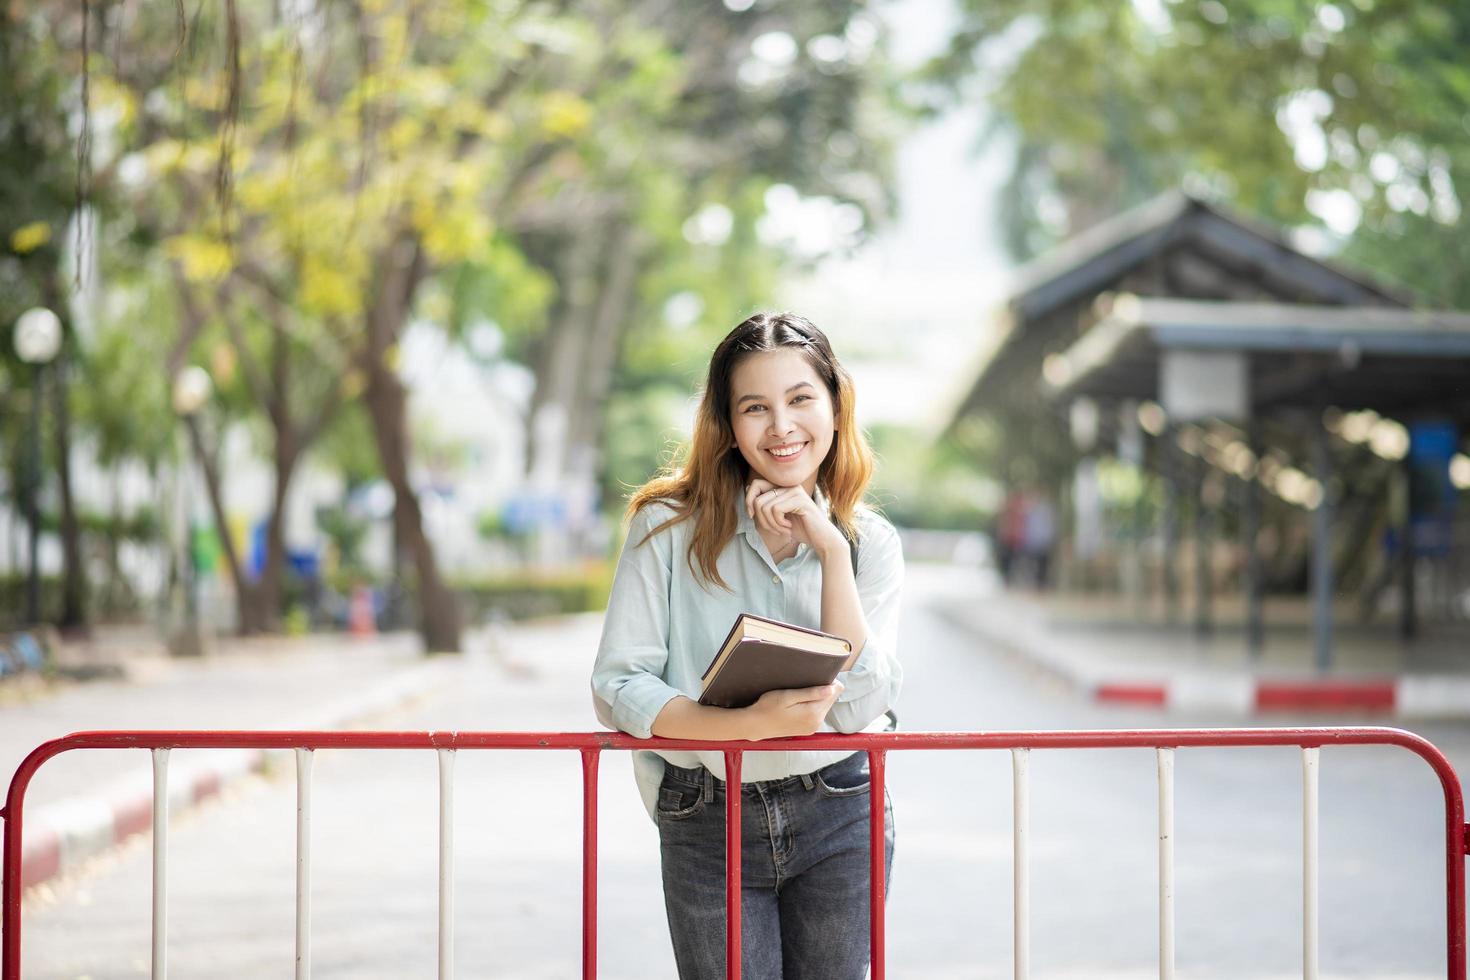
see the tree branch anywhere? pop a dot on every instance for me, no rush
(327, 409)
(193, 325)
(284, 318)
(255, 379)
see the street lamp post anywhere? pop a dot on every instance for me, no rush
(191, 390)
(37, 341)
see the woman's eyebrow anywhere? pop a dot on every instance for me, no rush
(800, 384)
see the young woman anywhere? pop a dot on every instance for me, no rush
(764, 517)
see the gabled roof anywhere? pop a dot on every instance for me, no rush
(1097, 259)
(1088, 262)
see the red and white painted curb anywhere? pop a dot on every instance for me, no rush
(61, 835)
(1421, 696)
(1237, 692)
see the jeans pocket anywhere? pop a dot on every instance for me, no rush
(843, 779)
(678, 800)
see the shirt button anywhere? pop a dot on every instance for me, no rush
(776, 579)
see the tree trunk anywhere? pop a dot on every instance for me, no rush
(246, 605)
(190, 329)
(74, 573)
(438, 612)
(267, 590)
(387, 403)
(558, 366)
(112, 596)
(600, 353)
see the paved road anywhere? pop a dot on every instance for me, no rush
(1094, 886)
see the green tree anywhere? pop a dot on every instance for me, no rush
(796, 95)
(310, 182)
(37, 203)
(365, 166)
(1350, 113)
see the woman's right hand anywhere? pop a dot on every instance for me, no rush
(800, 711)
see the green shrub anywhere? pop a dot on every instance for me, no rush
(527, 595)
(13, 592)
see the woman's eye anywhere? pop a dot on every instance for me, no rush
(753, 408)
(801, 398)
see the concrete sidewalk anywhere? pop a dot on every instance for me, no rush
(81, 803)
(1114, 653)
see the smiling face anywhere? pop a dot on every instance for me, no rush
(782, 416)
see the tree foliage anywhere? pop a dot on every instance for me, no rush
(284, 188)
(1352, 115)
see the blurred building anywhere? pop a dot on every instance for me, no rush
(1216, 409)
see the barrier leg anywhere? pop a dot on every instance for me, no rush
(160, 864)
(877, 840)
(1166, 864)
(446, 864)
(732, 863)
(1020, 856)
(1309, 863)
(589, 863)
(304, 758)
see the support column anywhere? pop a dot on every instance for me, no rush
(1168, 563)
(1404, 515)
(1255, 632)
(1131, 452)
(1322, 547)
(1203, 586)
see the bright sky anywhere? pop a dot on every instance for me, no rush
(908, 311)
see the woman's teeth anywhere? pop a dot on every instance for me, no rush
(787, 451)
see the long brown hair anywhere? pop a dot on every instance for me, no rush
(708, 484)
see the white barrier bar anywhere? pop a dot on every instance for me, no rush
(1309, 863)
(446, 864)
(160, 864)
(1166, 864)
(303, 863)
(1020, 850)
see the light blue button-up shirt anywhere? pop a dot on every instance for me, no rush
(663, 627)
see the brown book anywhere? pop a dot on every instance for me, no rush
(761, 655)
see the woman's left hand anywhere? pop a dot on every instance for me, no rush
(788, 512)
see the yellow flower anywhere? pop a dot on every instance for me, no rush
(328, 289)
(203, 258)
(564, 114)
(30, 237)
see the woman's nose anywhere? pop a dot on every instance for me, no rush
(780, 422)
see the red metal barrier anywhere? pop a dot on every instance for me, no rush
(590, 745)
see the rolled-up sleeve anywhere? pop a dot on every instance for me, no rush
(871, 687)
(628, 690)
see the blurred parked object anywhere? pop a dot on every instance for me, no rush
(20, 653)
(362, 618)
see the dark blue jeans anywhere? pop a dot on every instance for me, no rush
(804, 872)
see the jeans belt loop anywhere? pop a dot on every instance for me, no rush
(806, 780)
(708, 792)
